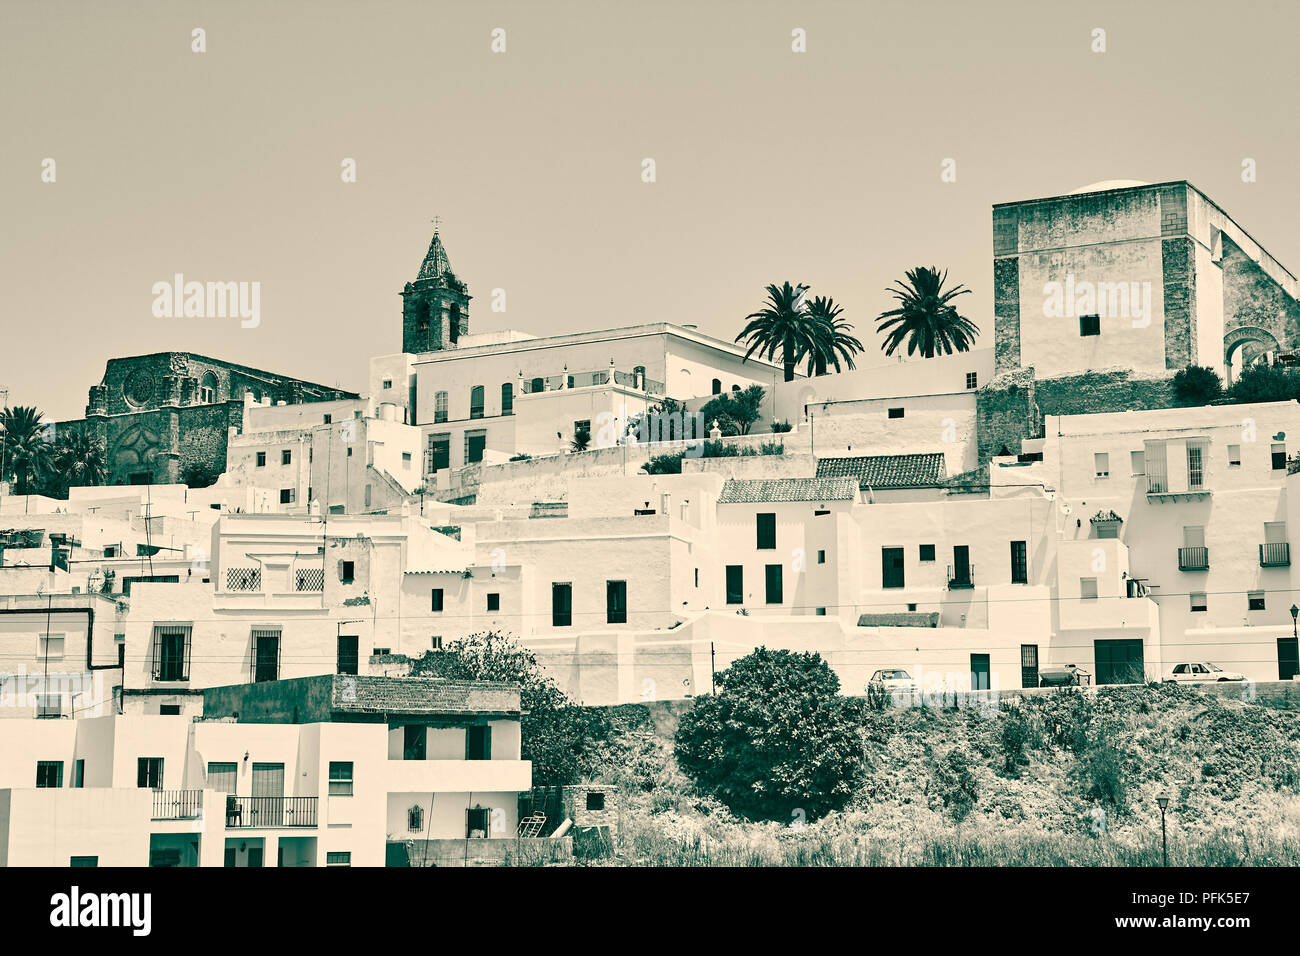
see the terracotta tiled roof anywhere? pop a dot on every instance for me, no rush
(737, 491)
(887, 471)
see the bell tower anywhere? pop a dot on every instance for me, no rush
(435, 307)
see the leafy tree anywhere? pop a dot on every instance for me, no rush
(664, 465)
(775, 738)
(198, 475)
(1264, 383)
(783, 325)
(736, 412)
(1197, 385)
(28, 454)
(560, 738)
(80, 459)
(835, 342)
(925, 317)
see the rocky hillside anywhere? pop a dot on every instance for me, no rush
(1060, 778)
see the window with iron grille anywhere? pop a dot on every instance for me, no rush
(340, 778)
(310, 579)
(415, 819)
(1019, 563)
(338, 859)
(243, 579)
(266, 654)
(171, 651)
(1028, 665)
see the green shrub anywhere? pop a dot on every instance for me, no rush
(664, 465)
(1014, 739)
(956, 785)
(781, 426)
(1197, 385)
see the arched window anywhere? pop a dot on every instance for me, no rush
(208, 389)
(415, 819)
(476, 402)
(440, 407)
(639, 374)
(735, 388)
(507, 398)
(536, 385)
(717, 386)
(453, 324)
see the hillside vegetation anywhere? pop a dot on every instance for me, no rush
(1067, 778)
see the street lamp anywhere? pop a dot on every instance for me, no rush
(1294, 611)
(1163, 800)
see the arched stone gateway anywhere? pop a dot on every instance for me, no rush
(1245, 335)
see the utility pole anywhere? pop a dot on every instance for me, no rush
(713, 669)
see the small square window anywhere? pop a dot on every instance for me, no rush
(388, 383)
(346, 570)
(287, 495)
(911, 607)
(1088, 588)
(821, 557)
(1234, 456)
(1090, 325)
(494, 602)
(286, 456)
(1255, 601)
(1199, 602)
(896, 413)
(821, 612)
(328, 418)
(595, 800)
(972, 379)
(1101, 464)
(927, 552)
(261, 459)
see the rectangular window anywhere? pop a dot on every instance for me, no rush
(1019, 563)
(149, 773)
(926, 552)
(1137, 463)
(1195, 465)
(286, 456)
(1199, 602)
(561, 605)
(772, 573)
(895, 413)
(494, 601)
(582, 426)
(435, 599)
(476, 402)
(348, 653)
(735, 584)
(49, 774)
(340, 778)
(1101, 464)
(439, 407)
(406, 459)
(891, 564)
(438, 457)
(435, 642)
(223, 776)
(338, 858)
(1088, 588)
(79, 773)
(171, 652)
(616, 602)
(347, 570)
(766, 531)
(1279, 457)
(1255, 601)
(287, 496)
(50, 646)
(972, 379)
(266, 654)
(478, 742)
(388, 383)
(1090, 325)
(1234, 456)
(84, 861)
(475, 442)
(415, 742)
(261, 459)
(49, 705)
(329, 419)
(821, 557)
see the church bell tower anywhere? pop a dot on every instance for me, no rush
(435, 307)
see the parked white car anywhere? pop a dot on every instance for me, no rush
(1201, 672)
(892, 679)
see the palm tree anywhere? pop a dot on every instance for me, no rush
(836, 341)
(783, 325)
(79, 459)
(581, 440)
(27, 453)
(925, 317)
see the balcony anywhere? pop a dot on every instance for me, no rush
(963, 579)
(1275, 554)
(177, 804)
(1193, 559)
(279, 812)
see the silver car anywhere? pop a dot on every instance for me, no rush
(1200, 672)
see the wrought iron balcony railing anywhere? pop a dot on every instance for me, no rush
(1275, 554)
(1193, 559)
(177, 804)
(246, 812)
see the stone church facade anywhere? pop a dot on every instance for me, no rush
(164, 417)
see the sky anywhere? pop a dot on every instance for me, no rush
(822, 167)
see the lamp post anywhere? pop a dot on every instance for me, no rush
(1294, 611)
(1163, 800)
